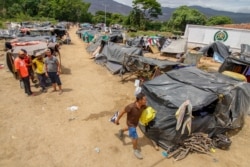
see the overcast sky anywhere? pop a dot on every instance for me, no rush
(239, 6)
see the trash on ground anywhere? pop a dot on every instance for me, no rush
(72, 108)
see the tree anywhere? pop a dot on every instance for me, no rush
(143, 11)
(68, 10)
(102, 16)
(13, 10)
(219, 20)
(185, 15)
(30, 7)
(149, 8)
(134, 18)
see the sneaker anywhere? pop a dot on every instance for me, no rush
(138, 154)
(120, 134)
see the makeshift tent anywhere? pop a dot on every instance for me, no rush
(219, 103)
(174, 46)
(147, 68)
(117, 38)
(218, 50)
(134, 42)
(121, 59)
(7, 34)
(88, 35)
(145, 42)
(236, 65)
(112, 55)
(95, 44)
(31, 50)
(245, 52)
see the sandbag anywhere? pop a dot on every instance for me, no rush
(235, 75)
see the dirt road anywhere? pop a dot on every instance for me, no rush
(41, 131)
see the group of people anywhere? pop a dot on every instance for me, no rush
(43, 66)
(49, 66)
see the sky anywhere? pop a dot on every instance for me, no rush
(238, 6)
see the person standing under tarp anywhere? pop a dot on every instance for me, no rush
(133, 111)
(22, 72)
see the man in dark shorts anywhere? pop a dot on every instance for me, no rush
(133, 112)
(53, 70)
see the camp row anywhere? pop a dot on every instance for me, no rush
(194, 108)
(190, 103)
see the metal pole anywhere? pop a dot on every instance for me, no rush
(105, 16)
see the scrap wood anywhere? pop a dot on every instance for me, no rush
(182, 154)
(198, 142)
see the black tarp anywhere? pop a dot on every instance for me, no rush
(218, 47)
(95, 44)
(239, 65)
(219, 103)
(231, 62)
(116, 57)
(112, 53)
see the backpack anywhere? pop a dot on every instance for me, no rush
(148, 114)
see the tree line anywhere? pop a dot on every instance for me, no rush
(143, 15)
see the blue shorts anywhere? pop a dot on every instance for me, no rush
(132, 133)
(54, 78)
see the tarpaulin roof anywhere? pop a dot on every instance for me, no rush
(116, 53)
(31, 49)
(156, 62)
(175, 46)
(219, 103)
(230, 61)
(218, 47)
(113, 55)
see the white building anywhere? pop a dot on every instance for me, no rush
(199, 36)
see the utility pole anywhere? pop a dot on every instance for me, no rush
(105, 16)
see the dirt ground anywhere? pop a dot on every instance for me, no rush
(41, 131)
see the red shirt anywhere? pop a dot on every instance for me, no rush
(27, 60)
(21, 66)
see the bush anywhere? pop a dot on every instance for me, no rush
(149, 33)
(1, 24)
